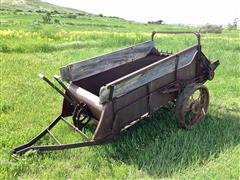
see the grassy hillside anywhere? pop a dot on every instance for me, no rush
(154, 149)
(34, 5)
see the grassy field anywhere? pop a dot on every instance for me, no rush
(154, 149)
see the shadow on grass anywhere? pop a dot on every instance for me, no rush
(156, 147)
(159, 148)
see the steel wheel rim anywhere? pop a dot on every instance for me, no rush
(193, 107)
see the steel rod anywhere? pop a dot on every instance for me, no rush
(54, 137)
(56, 88)
(57, 78)
(76, 129)
(64, 146)
(38, 137)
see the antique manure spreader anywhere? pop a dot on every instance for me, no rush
(115, 90)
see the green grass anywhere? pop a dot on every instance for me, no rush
(150, 149)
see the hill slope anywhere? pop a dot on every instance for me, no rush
(35, 5)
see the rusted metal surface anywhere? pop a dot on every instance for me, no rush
(138, 80)
(192, 105)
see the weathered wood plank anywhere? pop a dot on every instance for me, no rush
(83, 69)
(147, 74)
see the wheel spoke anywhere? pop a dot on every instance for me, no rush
(203, 111)
(194, 106)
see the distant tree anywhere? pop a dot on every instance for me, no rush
(234, 25)
(47, 18)
(231, 27)
(235, 22)
(210, 28)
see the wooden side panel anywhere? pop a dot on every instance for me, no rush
(147, 74)
(87, 68)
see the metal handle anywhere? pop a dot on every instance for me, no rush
(197, 34)
(71, 101)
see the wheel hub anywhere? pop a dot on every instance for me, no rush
(192, 105)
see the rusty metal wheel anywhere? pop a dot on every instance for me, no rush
(192, 105)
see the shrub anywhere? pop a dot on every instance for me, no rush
(18, 10)
(81, 14)
(73, 16)
(70, 23)
(56, 21)
(55, 12)
(36, 23)
(209, 28)
(47, 18)
(5, 49)
(40, 11)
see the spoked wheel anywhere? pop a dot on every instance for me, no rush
(81, 117)
(192, 105)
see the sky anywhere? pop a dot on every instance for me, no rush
(220, 12)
